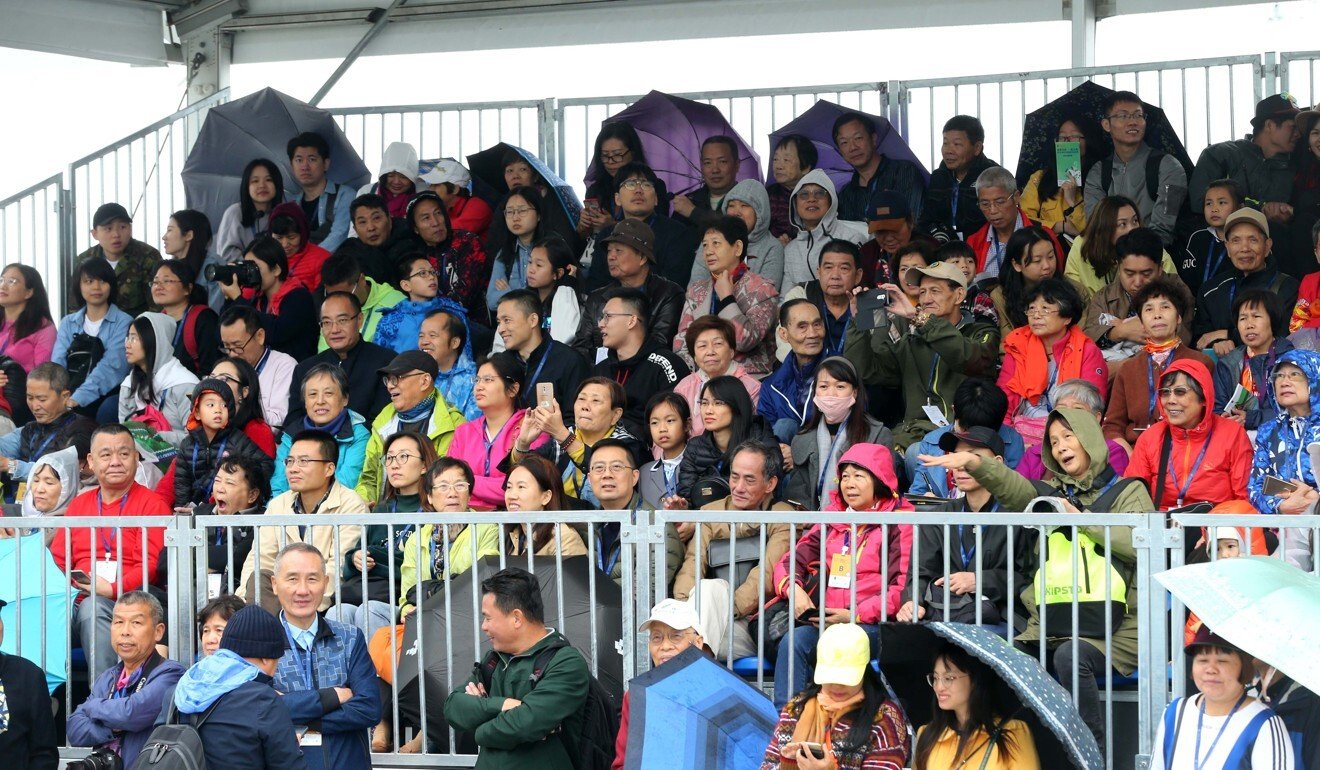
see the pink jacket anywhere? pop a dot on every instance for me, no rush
(469, 445)
(690, 389)
(879, 593)
(32, 350)
(753, 313)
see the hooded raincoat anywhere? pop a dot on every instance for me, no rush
(1014, 492)
(802, 253)
(399, 158)
(171, 382)
(1281, 452)
(248, 725)
(765, 252)
(65, 465)
(1209, 462)
(879, 585)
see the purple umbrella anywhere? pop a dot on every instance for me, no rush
(672, 129)
(817, 124)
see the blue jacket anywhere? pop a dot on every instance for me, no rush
(352, 438)
(249, 728)
(1228, 373)
(1281, 443)
(97, 719)
(338, 659)
(398, 326)
(785, 396)
(456, 386)
(934, 481)
(341, 218)
(111, 370)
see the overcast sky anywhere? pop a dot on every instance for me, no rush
(60, 108)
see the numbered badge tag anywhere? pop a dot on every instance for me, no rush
(840, 570)
(935, 415)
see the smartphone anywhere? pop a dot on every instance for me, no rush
(1275, 486)
(872, 309)
(545, 393)
(78, 576)
(591, 204)
(815, 749)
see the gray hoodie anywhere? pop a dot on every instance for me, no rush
(765, 254)
(172, 383)
(802, 253)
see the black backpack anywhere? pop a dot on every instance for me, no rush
(84, 353)
(15, 391)
(174, 746)
(593, 748)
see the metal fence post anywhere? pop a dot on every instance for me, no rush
(1269, 76)
(546, 117)
(895, 106)
(1150, 544)
(181, 539)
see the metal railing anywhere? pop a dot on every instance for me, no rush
(1207, 100)
(188, 558)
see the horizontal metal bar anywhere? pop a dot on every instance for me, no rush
(1080, 72)
(596, 101)
(407, 109)
(54, 181)
(1251, 521)
(914, 518)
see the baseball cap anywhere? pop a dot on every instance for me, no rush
(634, 233)
(977, 435)
(945, 270)
(842, 655)
(1205, 637)
(888, 212)
(1276, 107)
(446, 170)
(1245, 214)
(676, 614)
(410, 360)
(110, 212)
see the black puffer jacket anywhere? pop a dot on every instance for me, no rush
(702, 458)
(198, 459)
(666, 299)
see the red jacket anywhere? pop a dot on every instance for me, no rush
(471, 214)
(621, 740)
(86, 546)
(305, 265)
(878, 593)
(980, 243)
(1225, 468)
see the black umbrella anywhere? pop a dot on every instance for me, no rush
(463, 650)
(1023, 689)
(260, 126)
(1041, 127)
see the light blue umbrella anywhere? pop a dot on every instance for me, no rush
(1265, 606)
(42, 639)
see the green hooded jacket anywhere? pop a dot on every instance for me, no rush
(532, 735)
(1014, 492)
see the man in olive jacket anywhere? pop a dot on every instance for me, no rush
(517, 723)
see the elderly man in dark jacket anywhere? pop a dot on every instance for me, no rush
(230, 695)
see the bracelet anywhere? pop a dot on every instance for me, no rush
(567, 442)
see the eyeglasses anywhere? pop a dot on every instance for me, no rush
(489, 379)
(1041, 312)
(812, 195)
(518, 212)
(1176, 392)
(1070, 138)
(615, 469)
(997, 203)
(401, 458)
(302, 462)
(425, 272)
(673, 637)
(605, 316)
(636, 184)
(11, 281)
(343, 320)
(132, 337)
(392, 380)
(1293, 375)
(444, 487)
(158, 283)
(946, 679)
(1124, 117)
(713, 403)
(615, 157)
(229, 378)
(233, 349)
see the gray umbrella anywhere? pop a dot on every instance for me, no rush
(260, 126)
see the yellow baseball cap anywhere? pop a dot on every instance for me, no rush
(842, 655)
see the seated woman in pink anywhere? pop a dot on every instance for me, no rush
(27, 333)
(710, 344)
(485, 441)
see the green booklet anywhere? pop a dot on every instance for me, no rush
(1068, 162)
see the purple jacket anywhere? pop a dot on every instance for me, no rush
(100, 716)
(1032, 469)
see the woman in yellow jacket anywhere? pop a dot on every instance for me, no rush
(966, 733)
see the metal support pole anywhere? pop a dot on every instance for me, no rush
(207, 55)
(353, 55)
(1083, 34)
(547, 134)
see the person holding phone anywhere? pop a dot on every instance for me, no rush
(843, 721)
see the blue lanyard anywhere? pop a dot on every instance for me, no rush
(1212, 262)
(671, 481)
(490, 445)
(968, 554)
(1197, 761)
(264, 358)
(123, 501)
(1150, 388)
(830, 348)
(839, 435)
(37, 455)
(303, 657)
(607, 565)
(953, 203)
(1196, 466)
(210, 485)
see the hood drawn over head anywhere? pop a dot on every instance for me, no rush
(817, 177)
(1087, 429)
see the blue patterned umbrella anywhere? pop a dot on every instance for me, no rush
(1029, 692)
(692, 712)
(487, 167)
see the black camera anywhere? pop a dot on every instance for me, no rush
(247, 272)
(872, 309)
(101, 759)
